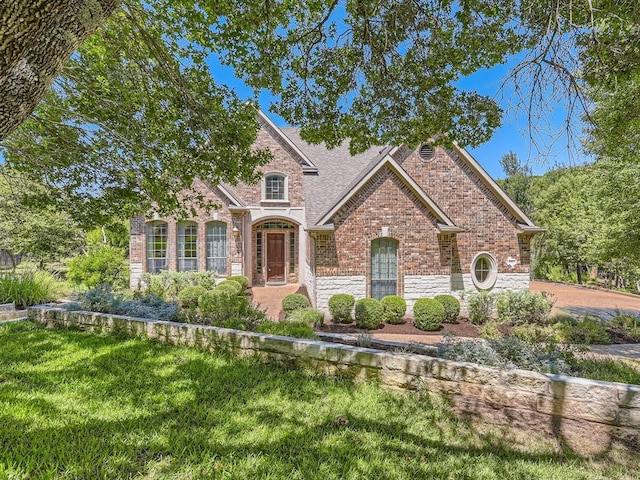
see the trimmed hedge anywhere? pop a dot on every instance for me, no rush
(189, 296)
(293, 302)
(241, 279)
(368, 313)
(394, 308)
(451, 307)
(428, 314)
(231, 286)
(341, 306)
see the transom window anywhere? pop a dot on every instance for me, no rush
(156, 246)
(274, 225)
(217, 247)
(187, 247)
(275, 187)
(484, 271)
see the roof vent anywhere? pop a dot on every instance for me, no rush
(426, 152)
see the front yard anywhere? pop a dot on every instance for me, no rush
(85, 406)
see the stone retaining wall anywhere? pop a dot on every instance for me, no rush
(587, 415)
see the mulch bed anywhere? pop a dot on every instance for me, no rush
(463, 328)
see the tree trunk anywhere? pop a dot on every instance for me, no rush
(579, 273)
(38, 37)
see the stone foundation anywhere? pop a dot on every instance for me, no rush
(586, 415)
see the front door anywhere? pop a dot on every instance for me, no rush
(275, 257)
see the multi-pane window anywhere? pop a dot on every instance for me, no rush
(187, 246)
(156, 246)
(274, 187)
(292, 252)
(259, 252)
(484, 271)
(384, 267)
(217, 247)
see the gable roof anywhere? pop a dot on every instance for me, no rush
(307, 165)
(444, 223)
(524, 222)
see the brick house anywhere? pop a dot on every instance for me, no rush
(392, 220)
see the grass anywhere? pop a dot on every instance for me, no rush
(78, 406)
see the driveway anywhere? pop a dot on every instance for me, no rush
(580, 301)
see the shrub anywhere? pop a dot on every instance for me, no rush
(188, 296)
(341, 306)
(242, 280)
(310, 316)
(26, 289)
(295, 301)
(287, 329)
(428, 314)
(490, 330)
(368, 313)
(231, 285)
(147, 306)
(480, 306)
(451, 307)
(523, 307)
(98, 299)
(169, 284)
(588, 331)
(225, 309)
(100, 265)
(393, 309)
(508, 353)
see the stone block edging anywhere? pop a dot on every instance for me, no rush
(576, 409)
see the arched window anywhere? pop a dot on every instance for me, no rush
(156, 246)
(484, 271)
(187, 247)
(275, 187)
(217, 247)
(384, 267)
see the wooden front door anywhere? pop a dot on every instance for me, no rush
(275, 257)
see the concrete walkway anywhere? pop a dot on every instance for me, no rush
(270, 298)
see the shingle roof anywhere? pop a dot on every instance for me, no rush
(337, 169)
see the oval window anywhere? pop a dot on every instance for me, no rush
(484, 271)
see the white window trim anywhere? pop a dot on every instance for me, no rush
(493, 273)
(286, 187)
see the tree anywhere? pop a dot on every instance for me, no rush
(517, 183)
(25, 228)
(382, 72)
(38, 37)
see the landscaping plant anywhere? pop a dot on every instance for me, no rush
(369, 313)
(310, 316)
(103, 264)
(428, 314)
(294, 301)
(340, 307)
(393, 308)
(231, 286)
(451, 307)
(287, 329)
(169, 284)
(27, 288)
(480, 307)
(522, 307)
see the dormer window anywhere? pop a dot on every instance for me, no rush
(275, 187)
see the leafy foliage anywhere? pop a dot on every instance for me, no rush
(169, 284)
(27, 288)
(394, 308)
(523, 307)
(230, 285)
(368, 313)
(225, 309)
(310, 316)
(100, 265)
(241, 279)
(294, 301)
(189, 296)
(341, 306)
(297, 329)
(428, 314)
(480, 306)
(451, 307)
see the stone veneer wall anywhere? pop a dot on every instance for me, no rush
(581, 412)
(328, 286)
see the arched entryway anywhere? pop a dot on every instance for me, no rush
(275, 256)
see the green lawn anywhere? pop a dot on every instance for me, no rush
(79, 406)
